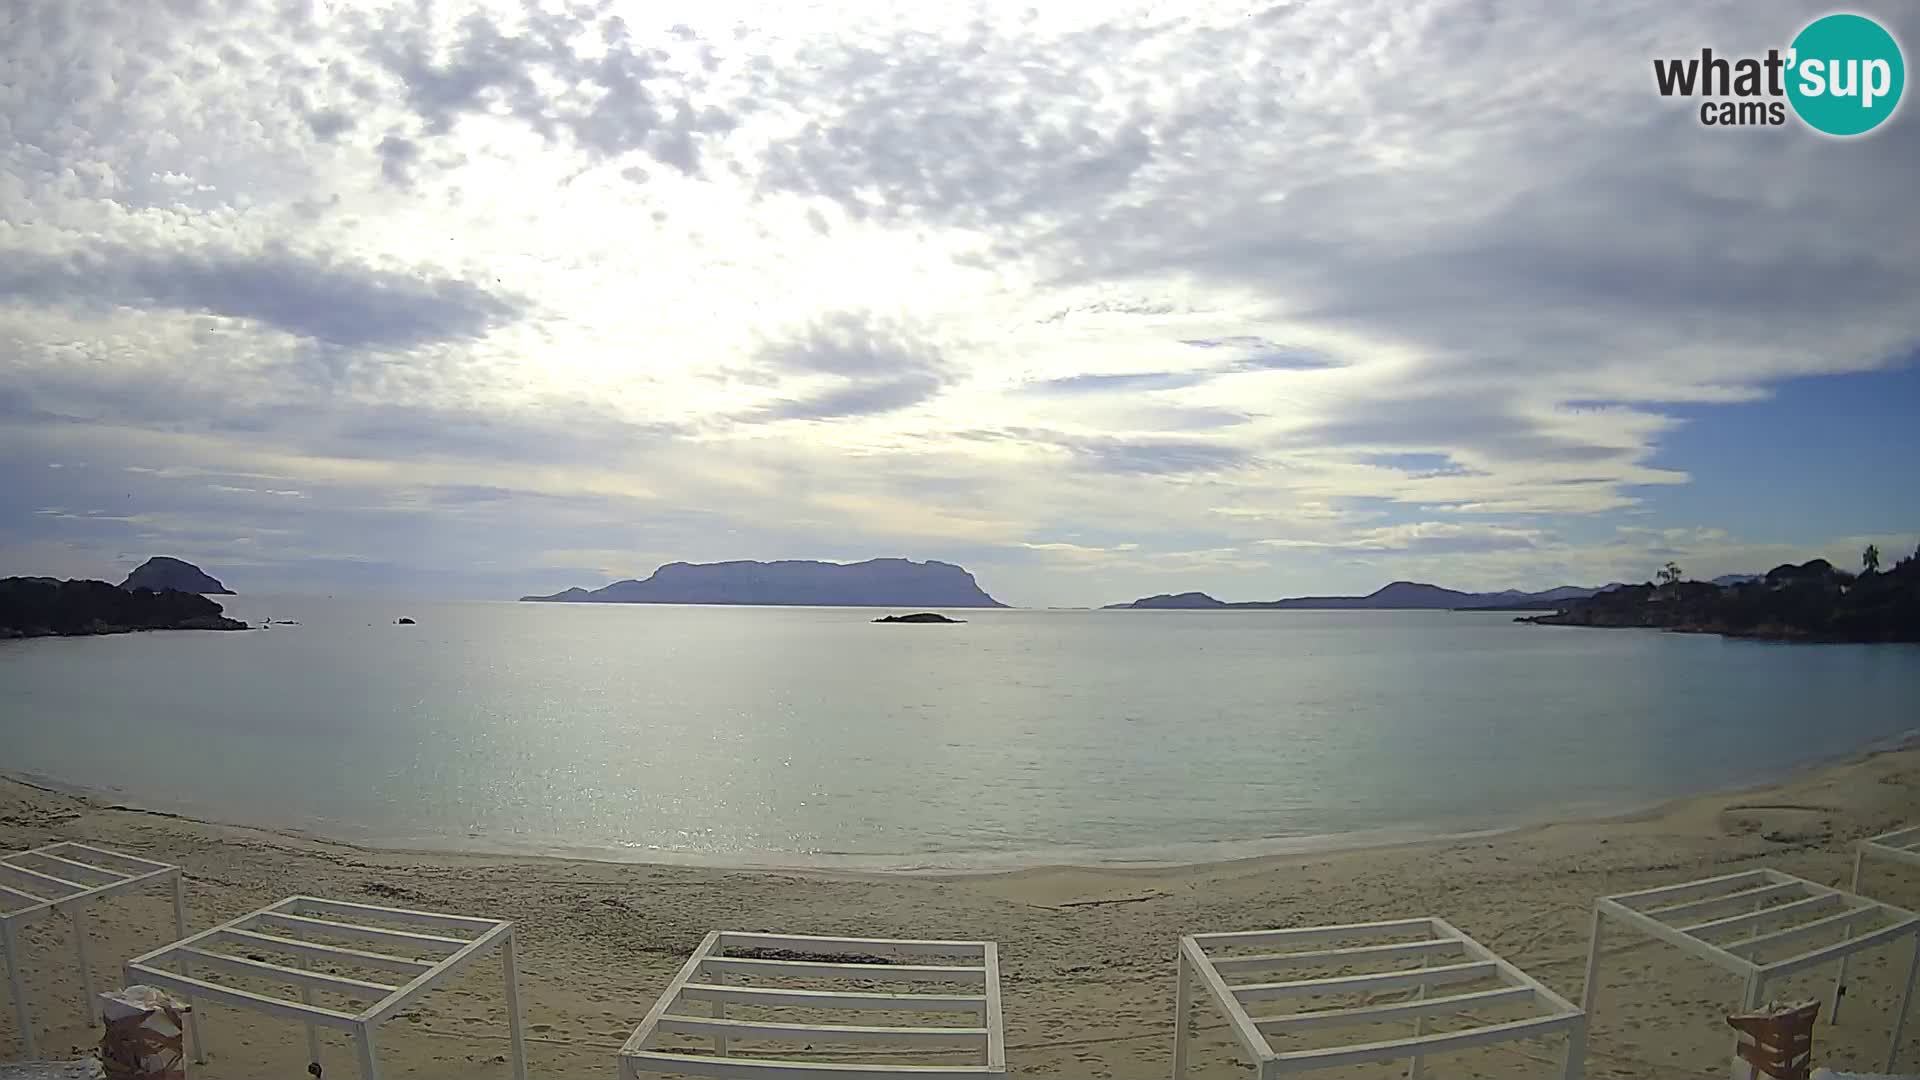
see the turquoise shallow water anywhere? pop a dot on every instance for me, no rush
(810, 735)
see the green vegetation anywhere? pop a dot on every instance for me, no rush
(1812, 601)
(41, 607)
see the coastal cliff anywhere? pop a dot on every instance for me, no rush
(873, 583)
(45, 607)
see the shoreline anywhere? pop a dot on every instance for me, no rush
(1766, 635)
(1155, 857)
(1170, 856)
(1087, 952)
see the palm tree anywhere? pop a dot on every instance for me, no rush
(1870, 559)
(1669, 574)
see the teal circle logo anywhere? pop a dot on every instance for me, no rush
(1846, 74)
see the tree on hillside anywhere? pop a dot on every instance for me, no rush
(1669, 574)
(1870, 559)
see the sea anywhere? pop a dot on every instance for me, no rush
(813, 737)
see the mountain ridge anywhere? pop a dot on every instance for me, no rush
(1393, 596)
(891, 582)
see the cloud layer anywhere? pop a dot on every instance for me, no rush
(1285, 300)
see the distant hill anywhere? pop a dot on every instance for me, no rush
(1175, 601)
(1396, 596)
(1518, 603)
(1547, 600)
(41, 607)
(165, 572)
(1811, 601)
(873, 583)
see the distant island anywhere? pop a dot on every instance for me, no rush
(1397, 596)
(918, 617)
(166, 572)
(1811, 601)
(873, 583)
(44, 607)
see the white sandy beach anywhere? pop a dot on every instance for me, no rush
(1087, 953)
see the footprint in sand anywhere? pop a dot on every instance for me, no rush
(1782, 823)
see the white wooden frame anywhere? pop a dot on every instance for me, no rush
(69, 877)
(704, 977)
(1444, 955)
(1901, 846)
(1699, 918)
(290, 926)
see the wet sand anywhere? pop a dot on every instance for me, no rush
(1086, 952)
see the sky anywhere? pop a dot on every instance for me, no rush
(1098, 301)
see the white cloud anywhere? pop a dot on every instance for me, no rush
(1423, 536)
(1116, 288)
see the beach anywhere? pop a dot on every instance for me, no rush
(1087, 953)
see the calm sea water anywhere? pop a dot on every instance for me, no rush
(810, 735)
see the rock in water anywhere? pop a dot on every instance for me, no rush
(165, 572)
(919, 617)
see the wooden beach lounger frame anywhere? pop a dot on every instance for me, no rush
(1444, 955)
(69, 877)
(290, 926)
(704, 977)
(1726, 920)
(1900, 846)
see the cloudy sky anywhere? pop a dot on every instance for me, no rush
(1096, 300)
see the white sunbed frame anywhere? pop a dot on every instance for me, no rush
(704, 978)
(70, 877)
(1901, 846)
(1695, 915)
(269, 930)
(1461, 959)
